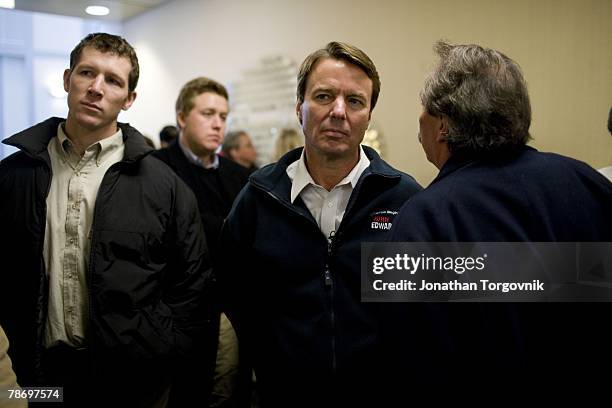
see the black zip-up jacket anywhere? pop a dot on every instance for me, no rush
(214, 201)
(293, 298)
(148, 265)
(214, 204)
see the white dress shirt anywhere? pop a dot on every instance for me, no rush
(326, 207)
(607, 171)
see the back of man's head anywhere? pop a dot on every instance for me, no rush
(483, 95)
(113, 44)
(339, 51)
(231, 142)
(168, 134)
(195, 87)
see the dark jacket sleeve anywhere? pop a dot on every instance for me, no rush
(190, 286)
(232, 266)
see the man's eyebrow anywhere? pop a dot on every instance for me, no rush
(83, 65)
(215, 110)
(322, 88)
(358, 93)
(116, 76)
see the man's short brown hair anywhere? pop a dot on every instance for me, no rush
(339, 51)
(195, 87)
(113, 44)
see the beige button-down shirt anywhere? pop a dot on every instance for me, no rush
(326, 207)
(70, 210)
(8, 381)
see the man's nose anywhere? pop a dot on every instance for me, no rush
(338, 108)
(95, 88)
(217, 122)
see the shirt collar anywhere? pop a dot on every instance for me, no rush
(64, 142)
(194, 159)
(104, 147)
(301, 178)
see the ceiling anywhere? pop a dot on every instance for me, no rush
(120, 10)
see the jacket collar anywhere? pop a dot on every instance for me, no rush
(34, 140)
(273, 177)
(459, 161)
(179, 159)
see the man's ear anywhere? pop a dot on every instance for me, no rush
(442, 130)
(67, 80)
(129, 101)
(298, 111)
(180, 120)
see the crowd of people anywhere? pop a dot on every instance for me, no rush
(187, 276)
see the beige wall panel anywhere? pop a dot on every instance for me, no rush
(564, 47)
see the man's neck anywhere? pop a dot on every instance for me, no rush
(82, 138)
(243, 163)
(442, 156)
(329, 171)
(207, 157)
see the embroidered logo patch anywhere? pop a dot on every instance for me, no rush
(382, 220)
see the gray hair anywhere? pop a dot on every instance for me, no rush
(483, 95)
(231, 142)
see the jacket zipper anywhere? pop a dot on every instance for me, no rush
(42, 317)
(327, 275)
(329, 285)
(328, 278)
(90, 273)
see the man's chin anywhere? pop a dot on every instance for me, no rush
(336, 147)
(337, 152)
(205, 150)
(89, 122)
(209, 148)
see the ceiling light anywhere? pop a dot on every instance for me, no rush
(7, 4)
(97, 10)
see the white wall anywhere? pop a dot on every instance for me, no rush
(34, 51)
(564, 47)
(14, 104)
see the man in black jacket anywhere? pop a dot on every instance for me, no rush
(104, 258)
(291, 268)
(201, 113)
